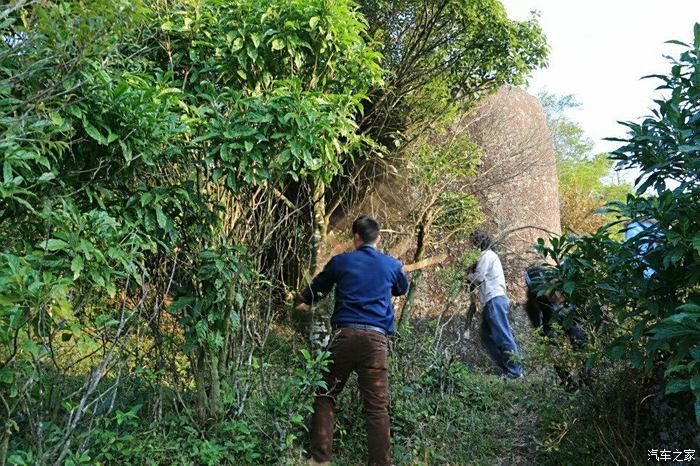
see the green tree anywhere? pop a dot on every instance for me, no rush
(271, 97)
(585, 183)
(146, 147)
(643, 294)
(438, 168)
(441, 56)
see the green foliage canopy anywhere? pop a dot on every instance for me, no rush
(441, 56)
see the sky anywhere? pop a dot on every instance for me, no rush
(599, 51)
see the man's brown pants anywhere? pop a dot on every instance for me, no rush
(365, 352)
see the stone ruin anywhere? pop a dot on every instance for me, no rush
(518, 185)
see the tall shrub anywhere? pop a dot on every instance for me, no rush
(643, 294)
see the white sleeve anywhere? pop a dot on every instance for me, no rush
(481, 268)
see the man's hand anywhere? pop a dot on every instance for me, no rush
(298, 303)
(468, 272)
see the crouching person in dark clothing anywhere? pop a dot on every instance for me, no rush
(547, 311)
(364, 280)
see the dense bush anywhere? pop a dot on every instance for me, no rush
(642, 295)
(144, 151)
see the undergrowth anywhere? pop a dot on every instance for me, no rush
(442, 412)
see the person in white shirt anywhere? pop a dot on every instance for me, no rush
(498, 336)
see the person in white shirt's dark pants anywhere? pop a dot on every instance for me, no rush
(498, 336)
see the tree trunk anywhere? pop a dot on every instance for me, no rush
(319, 334)
(197, 364)
(318, 331)
(4, 443)
(320, 228)
(405, 316)
(216, 408)
(422, 236)
(470, 315)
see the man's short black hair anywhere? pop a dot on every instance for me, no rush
(482, 240)
(367, 228)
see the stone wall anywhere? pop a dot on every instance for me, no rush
(518, 184)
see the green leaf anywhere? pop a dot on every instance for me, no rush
(688, 308)
(76, 266)
(110, 289)
(8, 299)
(6, 376)
(48, 176)
(160, 216)
(56, 118)
(677, 386)
(695, 353)
(616, 352)
(235, 320)
(239, 300)
(94, 133)
(53, 244)
(695, 382)
(277, 44)
(636, 358)
(179, 304)
(62, 310)
(31, 347)
(569, 287)
(146, 198)
(248, 146)
(111, 137)
(6, 172)
(606, 287)
(126, 150)
(696, 242)
(314, 21)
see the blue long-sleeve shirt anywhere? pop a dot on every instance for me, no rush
(365, 280)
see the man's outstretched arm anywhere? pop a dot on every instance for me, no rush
(321, 285)
(400, 286)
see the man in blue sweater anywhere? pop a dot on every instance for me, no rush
(364, 280)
